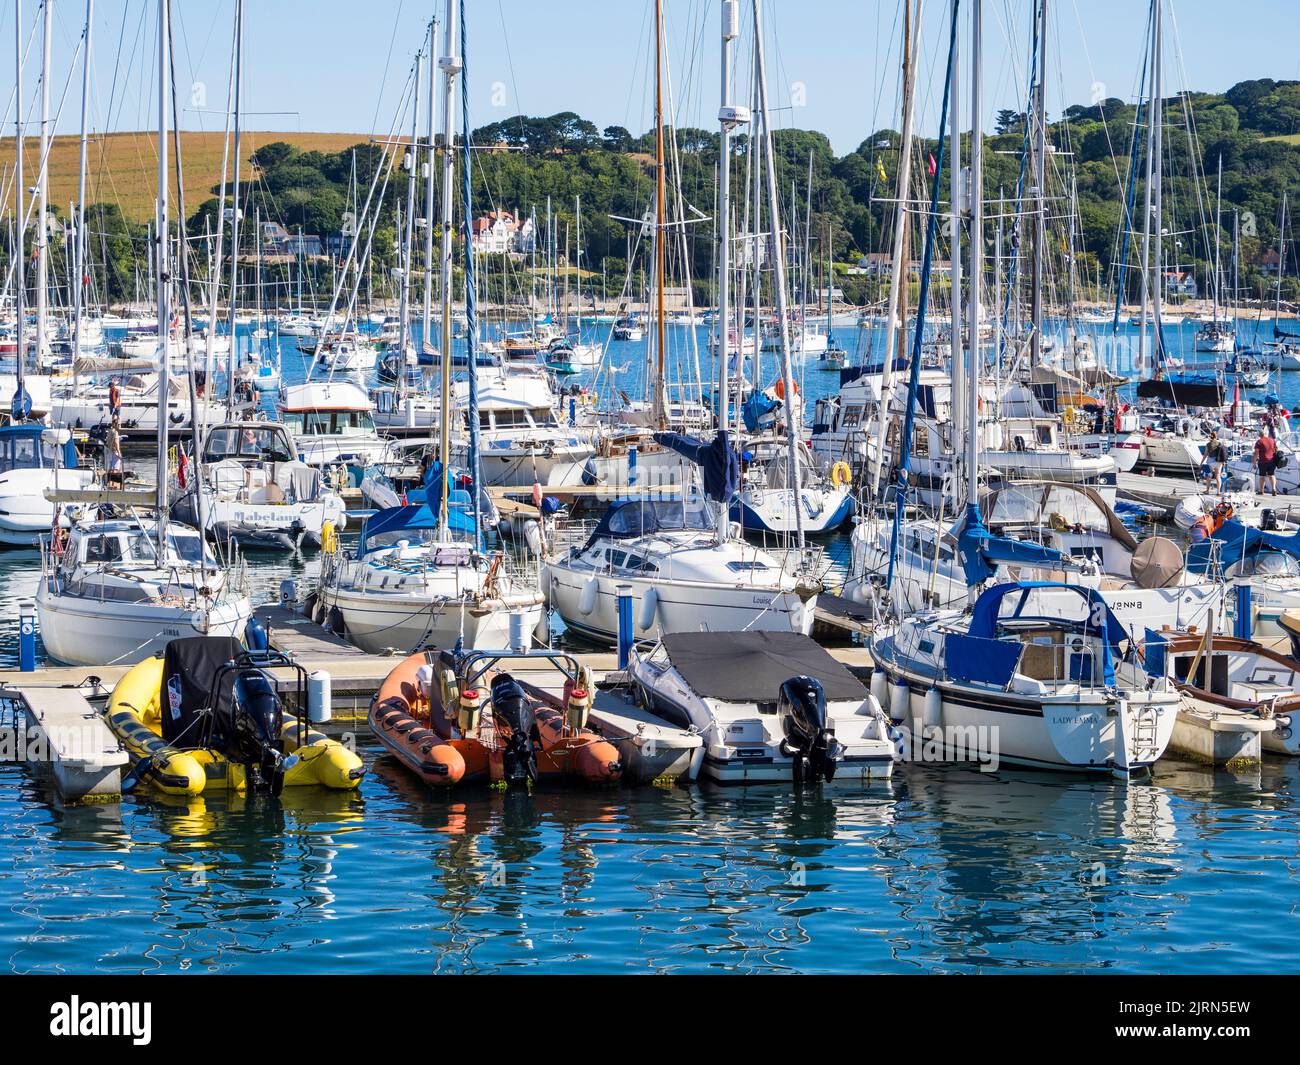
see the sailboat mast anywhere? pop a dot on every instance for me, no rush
(1040, 190)
(1157, 153)
(898, 269)
(954, 191)
(976, 249)
(728, 116)
(161, 276)
(43, 186)
(426, 315)
(660, 413)
(778, 278)
(1218, 212)
(214, 269)
(408, 236)
(471, 309)
(21, 402)
(234, 215)
(450, 65)
(79, 287)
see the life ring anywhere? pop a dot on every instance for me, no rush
(841, 474)
(779, 387)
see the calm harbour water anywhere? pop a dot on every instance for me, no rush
(943, 870)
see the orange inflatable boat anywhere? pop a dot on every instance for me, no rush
(452, 720)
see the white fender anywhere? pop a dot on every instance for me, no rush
(933, 714)
(645, 617)
(424, 680)
(879, 686)
(533, 536)
(899, 700)
(587, 602)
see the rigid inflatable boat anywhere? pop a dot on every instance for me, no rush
(206, 717)
(453, 719)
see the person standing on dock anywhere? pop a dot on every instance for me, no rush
(1216, 457)
(1266, 460)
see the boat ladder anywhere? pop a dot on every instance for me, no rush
(1145, 743)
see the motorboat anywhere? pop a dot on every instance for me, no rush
(332, 423)
(770, 707)
(521, 439)
(205, 716)
(255, 490)
(35, 460)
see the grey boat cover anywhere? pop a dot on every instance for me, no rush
(742, 667)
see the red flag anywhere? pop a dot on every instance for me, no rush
(931, 165)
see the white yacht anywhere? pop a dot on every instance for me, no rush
(331, 423)
(112, 594)
(521, 440)
(683, 577)
(83, 405)
(34, 460)
(255, 490)
(1027, 686)
(405, 586)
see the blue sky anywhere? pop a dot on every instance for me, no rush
(339, 65)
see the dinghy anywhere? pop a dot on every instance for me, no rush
(461, 719)
(206, 717)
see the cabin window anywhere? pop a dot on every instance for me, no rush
(246, 442)
(746, 567)
(1043, 434)
(29, 452)
(852, 416)
(103, 549)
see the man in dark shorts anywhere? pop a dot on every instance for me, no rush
(1266, 461)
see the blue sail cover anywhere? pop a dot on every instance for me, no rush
(1237, 541)
(1099, 619)
(756, 407)
(718, 461)
(460, 519)
(980, 551)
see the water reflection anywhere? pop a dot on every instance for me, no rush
(946, 870)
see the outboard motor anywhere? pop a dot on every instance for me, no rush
(515, 723)
(808, 739)
(256, 719)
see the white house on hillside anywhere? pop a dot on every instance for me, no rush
(499, 232)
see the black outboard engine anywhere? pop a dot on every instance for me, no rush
(808, 740)
(516, 725)
(256, 718)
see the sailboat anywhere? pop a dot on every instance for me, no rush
(421, 575)
(1015, 672)
(677, 556)
(33, 459)
(115, 591)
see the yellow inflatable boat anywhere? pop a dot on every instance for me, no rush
(206, 717)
